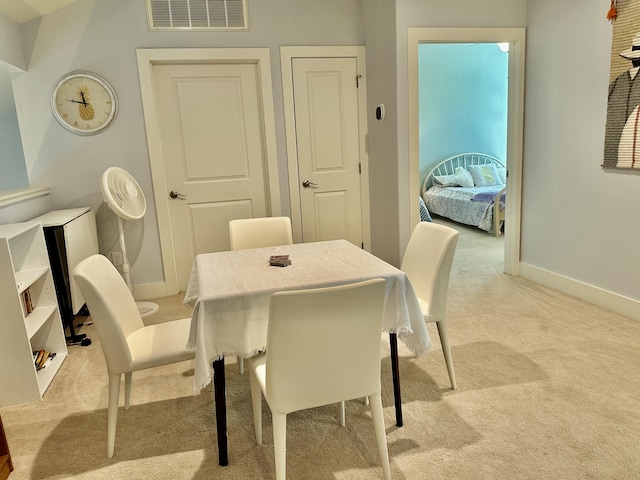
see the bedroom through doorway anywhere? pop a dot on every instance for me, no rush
(463, 100)
(515, 37)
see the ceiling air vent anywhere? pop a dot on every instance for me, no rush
(197, 14)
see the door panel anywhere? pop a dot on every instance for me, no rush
(331, 217)
(211, 131)
(215, 125)
(328, 148)
(206, 217)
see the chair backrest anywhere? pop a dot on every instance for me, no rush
(323, 345)
(260, 232)
(112, 308)
(427, 262)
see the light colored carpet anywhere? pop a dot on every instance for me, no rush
(548, 389)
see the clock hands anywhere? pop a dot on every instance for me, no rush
(83, 102)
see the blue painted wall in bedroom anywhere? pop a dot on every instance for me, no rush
(463, 101)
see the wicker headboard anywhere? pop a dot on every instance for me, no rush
(448, 166)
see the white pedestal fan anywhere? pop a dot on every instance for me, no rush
(124, 197)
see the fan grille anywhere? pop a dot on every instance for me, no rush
(123, 194)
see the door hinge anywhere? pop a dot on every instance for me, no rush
(360, 168)
(362, 245)
(358, 77)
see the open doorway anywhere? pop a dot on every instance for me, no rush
(463, 97)
(515, 37)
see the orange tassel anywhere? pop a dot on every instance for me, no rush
(612, 14)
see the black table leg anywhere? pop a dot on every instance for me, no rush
(220, 398)
(395, 372)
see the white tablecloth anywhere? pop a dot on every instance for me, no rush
(230, 292)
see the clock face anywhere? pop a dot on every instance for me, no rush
(84, 103)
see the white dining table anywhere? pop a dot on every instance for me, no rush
(230, 292)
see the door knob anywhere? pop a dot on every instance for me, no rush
(174, 194)
(307, 184)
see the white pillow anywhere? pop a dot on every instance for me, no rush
(445, 180)
(461, 178)
(502, 174)
(484, 175)
(464, 177)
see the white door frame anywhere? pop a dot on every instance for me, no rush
(286, 56)
(146, 59)
(515, 120)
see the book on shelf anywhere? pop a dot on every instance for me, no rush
(42, 358)
(27, 302)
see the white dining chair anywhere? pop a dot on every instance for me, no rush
(259, 232)
(127, 344)
(333, 334)
(427, 263)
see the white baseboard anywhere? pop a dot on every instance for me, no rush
(148, 291)
(597, 296)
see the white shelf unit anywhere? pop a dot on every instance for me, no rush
(24, 266)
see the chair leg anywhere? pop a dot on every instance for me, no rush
(446, 350)
(343, 421)
(241, 365)
(280, 444)
(127, 389)
(375, 401)
(256, 400)
(112, 412)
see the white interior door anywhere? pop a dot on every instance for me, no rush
(326, 106)
(325, 113)
(211, 133)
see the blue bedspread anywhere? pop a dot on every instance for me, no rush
(455, 203)
(488, 197)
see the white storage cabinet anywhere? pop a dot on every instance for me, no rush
(24, 267)
(70, 236)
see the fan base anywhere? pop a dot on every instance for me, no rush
(147, 308)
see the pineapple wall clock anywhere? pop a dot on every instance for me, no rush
(84, 103)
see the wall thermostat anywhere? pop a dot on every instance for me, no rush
(380, 112)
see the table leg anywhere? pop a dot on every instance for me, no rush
(395, 372)
(219, 396)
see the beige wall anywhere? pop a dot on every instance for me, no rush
(380, 33)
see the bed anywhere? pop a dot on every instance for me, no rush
(468, 188)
